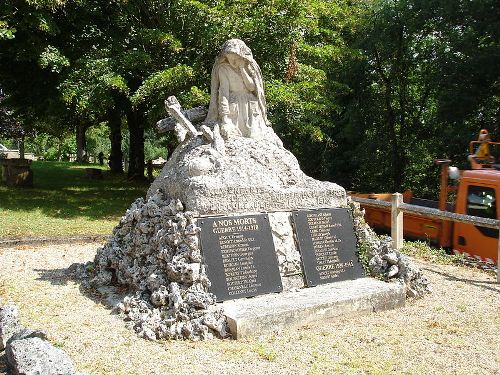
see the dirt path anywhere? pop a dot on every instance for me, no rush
(455, 330)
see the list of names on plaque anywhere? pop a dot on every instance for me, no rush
(328, 245)
(238, 262)
(240, 256)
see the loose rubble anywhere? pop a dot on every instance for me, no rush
(473, 262)
(382, 261)
(9, 323)
(27, 351)
(36, 356)
(155, 251)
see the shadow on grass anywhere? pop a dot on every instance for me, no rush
(489, 285)
(107, 296)
(62, 190)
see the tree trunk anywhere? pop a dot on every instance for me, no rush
(60, 141)
(397, 155)
(136, 153)
(115, 136)
(20, 147)
(81, 142)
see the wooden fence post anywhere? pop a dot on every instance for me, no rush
(397, 221)
(498, 259)
(398, 208)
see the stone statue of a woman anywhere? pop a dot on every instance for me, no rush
(237, 101)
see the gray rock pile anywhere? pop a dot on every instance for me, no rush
(155, 251)
(28, 352)
(382, 261)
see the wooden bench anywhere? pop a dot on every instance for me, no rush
(17, 172)
(94, 173)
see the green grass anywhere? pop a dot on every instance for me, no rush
(264, 351)
(423, 250)
(65, 202)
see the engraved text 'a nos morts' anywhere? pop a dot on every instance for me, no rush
(240, 256)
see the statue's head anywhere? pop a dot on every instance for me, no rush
(233, 49)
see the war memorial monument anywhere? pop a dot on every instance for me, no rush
(234, 239)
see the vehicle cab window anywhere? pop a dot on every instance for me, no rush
(481, 201)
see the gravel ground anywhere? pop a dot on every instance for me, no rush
(455, 330)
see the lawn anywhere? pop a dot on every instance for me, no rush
(64, 202)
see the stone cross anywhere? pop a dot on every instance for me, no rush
(185, 118)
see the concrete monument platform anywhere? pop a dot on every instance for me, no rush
(255, 316)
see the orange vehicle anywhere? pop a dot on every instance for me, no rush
(476, 194)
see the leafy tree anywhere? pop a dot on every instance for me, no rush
(364, 93)
(30, 63)
(420, 86)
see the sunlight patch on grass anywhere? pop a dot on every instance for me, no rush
(64, 202)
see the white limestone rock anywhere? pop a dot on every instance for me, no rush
(158, 257)
(252, 176)
(286, 249)
(391, 258)
(34, 356)
(26, 333)
(385, 263)
(9, 323)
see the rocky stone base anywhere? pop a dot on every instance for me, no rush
(382, 262)
(9, 323)
(155, 252)
(245, 176)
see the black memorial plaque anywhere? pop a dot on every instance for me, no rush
(327, 244)
(239, 255)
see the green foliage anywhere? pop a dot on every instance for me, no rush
(52, 59)
(264, 352)
(396, 116)
(88, 88)
(48, 147)
(194, 97)
(362, 252)
(49, 4)
(167, 81)
(422, 250)
(160, 38)
(380, 88)
(60, 149)
(154, 146)
(6, 32)
(98, 140)
(39, 144)
(8, 142)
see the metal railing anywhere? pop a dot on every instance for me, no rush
(398, 208)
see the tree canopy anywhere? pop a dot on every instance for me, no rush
(365, 93)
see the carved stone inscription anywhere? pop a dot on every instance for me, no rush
(239, 255)
(327, 244)
(255, 199)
